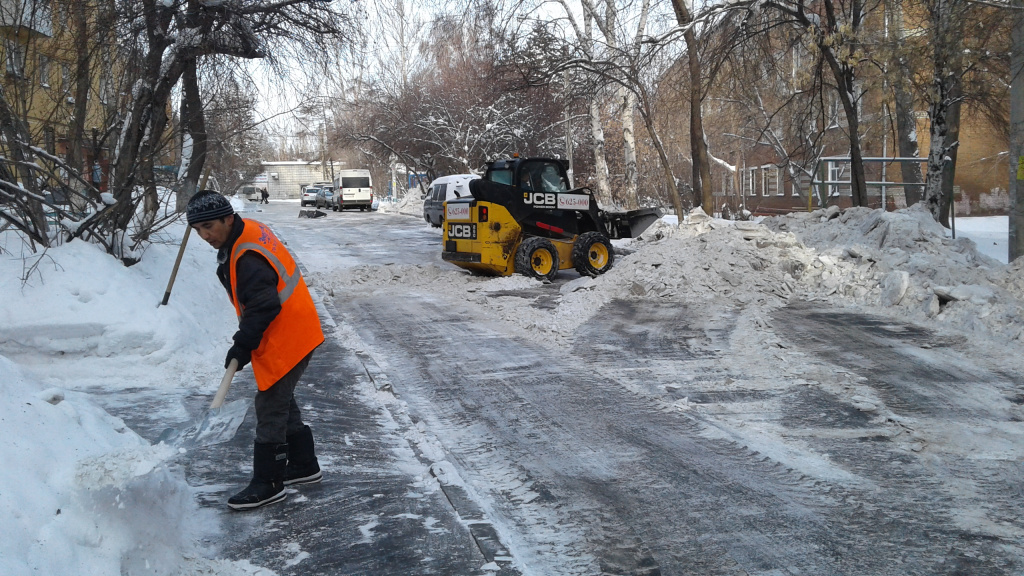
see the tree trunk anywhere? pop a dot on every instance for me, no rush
(76, 127)
(941, 146)
(944, 111)
(670, 178)
(194, 124)
(596, 131)
(906, 122)
(702, 191)
(953, 137)
(1016, 188)
(603, 191)
(845, 85)
(906, 142)
(701, 177)
(629, 195)
(13, 131)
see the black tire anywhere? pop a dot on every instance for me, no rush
(592, 254)
(536, 257)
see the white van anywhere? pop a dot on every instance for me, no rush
(442, 190)
(353, 189)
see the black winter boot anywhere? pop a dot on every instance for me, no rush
(267, 484)
(303, 467)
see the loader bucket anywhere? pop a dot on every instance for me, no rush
(633, 223)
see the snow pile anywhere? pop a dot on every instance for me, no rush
(78, 303)
(860, 257)
(80, 489)
(410, 205)
(80, 492)
(903, 261)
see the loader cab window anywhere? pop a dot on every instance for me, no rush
(542, 177)
(500, 176)
(551, 180)
(525, 182)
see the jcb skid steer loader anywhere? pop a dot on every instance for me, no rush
(521, 217)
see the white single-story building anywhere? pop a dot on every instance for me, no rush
(287, 180)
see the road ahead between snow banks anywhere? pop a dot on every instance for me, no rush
(655, 441)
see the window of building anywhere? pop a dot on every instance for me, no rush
(15, 58)
(105, 90)
(836, 173)
(769, 180)
(50, 140)
(65, 79)
(44, 71)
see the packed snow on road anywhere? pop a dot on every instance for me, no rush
(79, 488)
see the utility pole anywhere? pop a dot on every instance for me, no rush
(1016, 221)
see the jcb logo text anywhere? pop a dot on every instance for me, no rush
(462, 231)
(540, 199)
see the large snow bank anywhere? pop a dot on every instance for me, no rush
(81, 493)
(78, 303)
(870, 259)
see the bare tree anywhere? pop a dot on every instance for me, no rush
(460, 107)
(1016, 224)
(965, 43)
(701, 177)
(899, 77)
(170, 38)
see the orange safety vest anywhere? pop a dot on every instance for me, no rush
(295, 332)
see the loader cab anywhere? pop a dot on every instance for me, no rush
(534, 174)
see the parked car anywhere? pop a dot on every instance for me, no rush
(354, 189)
(308, 196)
(332, 199)
(324, 199)
(440, 191)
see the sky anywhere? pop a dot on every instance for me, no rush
(78, 330)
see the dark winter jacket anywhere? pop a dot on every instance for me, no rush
(257, 289)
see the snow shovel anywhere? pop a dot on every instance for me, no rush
(220, 422)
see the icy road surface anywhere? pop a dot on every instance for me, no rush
(663, 434)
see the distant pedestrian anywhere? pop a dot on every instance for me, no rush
(278, 329)
(266, 196)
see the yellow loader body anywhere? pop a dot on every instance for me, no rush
(484, 237)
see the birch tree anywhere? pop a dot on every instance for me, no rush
(965, 43)
(1016, 75)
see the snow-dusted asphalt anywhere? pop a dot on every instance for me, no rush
(654, 441)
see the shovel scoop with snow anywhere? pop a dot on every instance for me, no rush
(219, 424)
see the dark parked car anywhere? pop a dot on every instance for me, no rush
(324, 199)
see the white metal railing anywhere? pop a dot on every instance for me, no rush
(882, 184)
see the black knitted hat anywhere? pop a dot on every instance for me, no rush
(207, 205)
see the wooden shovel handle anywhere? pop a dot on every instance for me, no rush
(225, 383)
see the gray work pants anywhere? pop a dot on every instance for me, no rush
(277, 414)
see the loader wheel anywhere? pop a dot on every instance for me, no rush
(592, 254)
(537, 258)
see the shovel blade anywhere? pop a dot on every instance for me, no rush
(216, 426)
